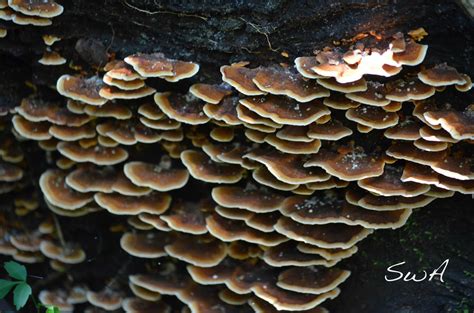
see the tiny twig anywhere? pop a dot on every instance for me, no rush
(112, 39)
(163, 12)
(59, 231)
(37, 277)
(257, 28)
(120, 272)
(47, 280)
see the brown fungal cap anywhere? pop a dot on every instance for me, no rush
(466, 86)
(10, 172)
(136, 305)
(157, 65)
(304, 65)
(241, 78)
(31, 130)
(155, 221)
(261, 306)
(120, 70)
(332, 130)
(407, 90)
(89, 208)
(22, 19)
(182, 70)
(460, 125)
(36, 110)
(137, 223)
(189, 217)
(406, 151)
(266, 178)
(106, 180)
(67, 133)
(128, 132)
(413, 54)
(124, 84)
(150, 65)
(255, 121)
(372, 117)
(162, 124)
(52, 58)
(287, 254)
(68, 254)
(330, 207)
(349, 164)
(333, 84)
(430, 145)
(48, 8)
(263, 176)
(251, 198)
(197, 250)
(26, 242)
(106, 299)
(222, 134)
(284, 81)
(154, 203)
(436, 135)
(324, 236)
(49, 40)
(210, 93)
(28, 257)
(294, 133)
(55, 298)
(293, 147)
(461, 168)
(231, 230)
(144, 293)
(441, 75)
(168, 282)
(56, 191)
(311, 280)
(390, 184)
(150, 111)
(233, 298)
(145, 245)
(262, 221)
(377, 203)
(203, 168)
(115, 110)
(286, 167)
(288, 300)
(338, 101)
(97, 154)
(81, 89)
(408, 129)
(183, 108)
(374, 95)
(282, 110)
(241, 250)
(225, 111)
(111, 93)
(155, 176)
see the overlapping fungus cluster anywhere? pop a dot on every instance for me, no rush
(284, 182)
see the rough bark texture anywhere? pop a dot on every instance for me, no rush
(219, 32)
(214, 33)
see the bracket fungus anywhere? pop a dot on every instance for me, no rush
(239, 195)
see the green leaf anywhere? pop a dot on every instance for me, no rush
(15, 270)
(52, 309)
(21, 294)
(5, 287)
